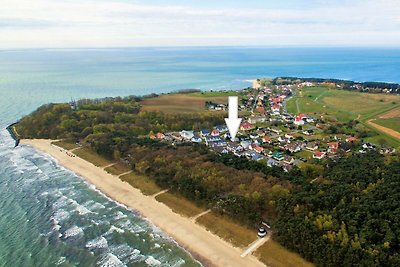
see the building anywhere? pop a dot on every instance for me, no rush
(312, 146)
(215, 132)
(205, 132)
(256, 119)
(333, 147)
(187, 134)
(246, 126)
(351, 139)
(221, 128)
(196, 139)
(277, 155)
(210, 139)
(319, 155)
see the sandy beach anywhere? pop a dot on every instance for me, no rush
(205, 246)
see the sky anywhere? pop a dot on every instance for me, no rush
(131, 23)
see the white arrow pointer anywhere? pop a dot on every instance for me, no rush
(233, 122)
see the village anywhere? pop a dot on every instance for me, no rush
(271, 135)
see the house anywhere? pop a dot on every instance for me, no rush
(275, 130)
(245, 144)
(271, 162)
(187, 134)
(333, 147)
(215, 132)
(261, 133)
(246, 126)
(219, 143)
(312, 146)
(287, 167)
(277, 155)
(258, 141)
(196, 139)
(351, 139)
(210, 139)
(345, 146)
(176, 136)
(319, 155)
(249, 154)
(253, 135)
(257, 157)
(308, 132)
(289, 136)
(220, 107)
(257, 148)
(256, 119)
(299, 120)
(221, 128)
(220, 150)
(293, 148)
(160, 136)
(368, 146)
(275, 108)
(288, 159)
(234, 147)
(205, 132)
(387, 150)
(266, 139)
(309, 120)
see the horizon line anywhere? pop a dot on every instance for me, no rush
(201, 46)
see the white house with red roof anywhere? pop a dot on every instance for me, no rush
(246, 126)
(319, 155)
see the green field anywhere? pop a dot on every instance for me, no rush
(91, 156)
(143, 183)
(391, 123)
(345, 106)
(179, 204)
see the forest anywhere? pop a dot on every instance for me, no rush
(350, 216)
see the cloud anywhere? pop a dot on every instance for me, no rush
(89, 23)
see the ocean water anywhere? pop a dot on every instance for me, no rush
(51, 217)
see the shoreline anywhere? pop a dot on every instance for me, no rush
(203, 245)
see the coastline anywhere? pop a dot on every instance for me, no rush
(206, 247)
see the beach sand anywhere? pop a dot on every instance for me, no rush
(205, 246)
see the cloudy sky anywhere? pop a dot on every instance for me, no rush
(125, 23)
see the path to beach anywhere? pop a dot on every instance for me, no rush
(207, 247)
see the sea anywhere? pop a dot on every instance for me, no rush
(49, 216)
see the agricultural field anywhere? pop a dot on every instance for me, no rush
(180, 103)
(344, 105)
(391, 123)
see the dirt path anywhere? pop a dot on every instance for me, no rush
(388, 131)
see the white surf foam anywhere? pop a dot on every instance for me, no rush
(99, 242)
(73, 232)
